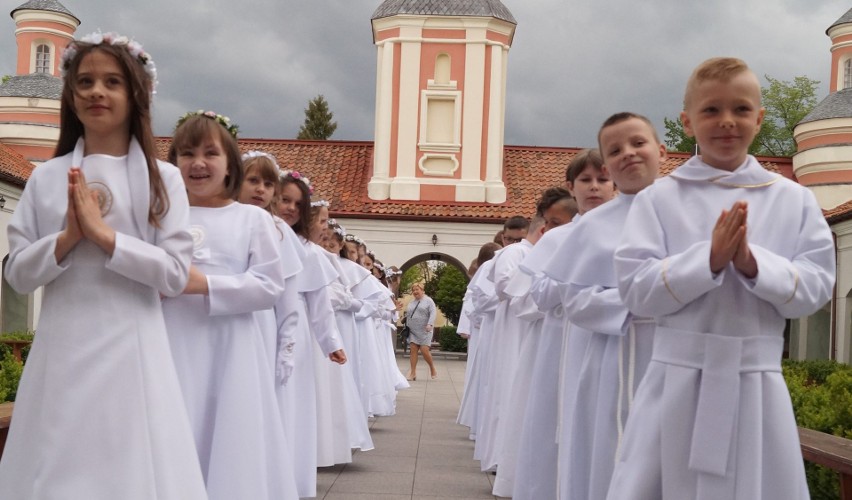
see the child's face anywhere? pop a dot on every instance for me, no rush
(256, 190)
(724, 117)
(631, 155)
(318, 226)
(101, 99)
(333, 245)
(557, 215)
(591, 189)
(367, 262)
(351, 251)
(204, 169)
(290, 204)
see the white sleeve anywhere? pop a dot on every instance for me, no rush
(653, 283)
(32, 256)
(797, 286)
(322, 321)
(164, 266)
(596, 308)
(259, 286)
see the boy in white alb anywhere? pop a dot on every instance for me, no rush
(712, 418)
(611, 345)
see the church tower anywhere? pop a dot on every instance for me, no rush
(440, 100)
(29, 100)
(823, 161)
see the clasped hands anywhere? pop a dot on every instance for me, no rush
(729, 242)
(83, 218)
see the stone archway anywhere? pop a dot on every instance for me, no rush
(437, 256)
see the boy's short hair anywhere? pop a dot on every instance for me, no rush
(585, 158)
(551, 197)
(623, 117)
(716, 68)
(516, 222)
(537, 223)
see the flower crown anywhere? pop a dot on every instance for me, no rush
(222, 120)
(371, 255)
(380, 267)
(112, 38)
(391, 273)
(332, 222)
(248, 155)
(319, 203)
(339, 230)
(299, 177)
(354, 239)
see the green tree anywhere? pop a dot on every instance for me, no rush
(786, 103)
(676, 138)
(451, 285)
(318, 120)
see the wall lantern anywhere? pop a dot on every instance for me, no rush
(434, 236)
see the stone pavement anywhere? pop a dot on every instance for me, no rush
(421, 453)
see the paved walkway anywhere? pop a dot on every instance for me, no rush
(421, 453)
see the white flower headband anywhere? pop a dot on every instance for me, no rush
(298, 176)
(380, 267)
(319, 203)
(340, 231)
(248, 155)
(112, 38)
(391, 272)
(354, 239)
(222, 120)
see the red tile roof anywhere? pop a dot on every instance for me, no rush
(14, 168)
(839, 213)
(340, 171)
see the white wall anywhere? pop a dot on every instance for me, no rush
(395, 242)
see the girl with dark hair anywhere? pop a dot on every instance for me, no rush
(104, 228)
(217, 344)
(305, 409)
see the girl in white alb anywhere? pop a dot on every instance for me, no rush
(219, 350)
(104, 228)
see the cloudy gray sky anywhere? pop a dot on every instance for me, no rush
(571, 65)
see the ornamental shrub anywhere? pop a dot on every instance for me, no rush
(450, 341)
(10, 375)
(821, 393)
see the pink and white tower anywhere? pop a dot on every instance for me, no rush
(440, 100)
(29, 100)
(824, 137)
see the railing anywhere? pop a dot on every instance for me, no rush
(830, 451)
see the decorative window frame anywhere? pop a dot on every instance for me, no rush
(440, 95)
(846, 74)
(421, 164)
(50, 59)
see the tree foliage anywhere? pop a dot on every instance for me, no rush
(318, 120)
(450, 286)
(786, 103)
(676, 138)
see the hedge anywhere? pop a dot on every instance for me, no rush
(450, 341)
(821, 392)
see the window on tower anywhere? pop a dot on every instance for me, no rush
(847, 74)
(42, 59)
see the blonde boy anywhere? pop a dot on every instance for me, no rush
(702, 254)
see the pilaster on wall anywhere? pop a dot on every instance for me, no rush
(440, 102)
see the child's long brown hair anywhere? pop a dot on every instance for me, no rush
(139, 87)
